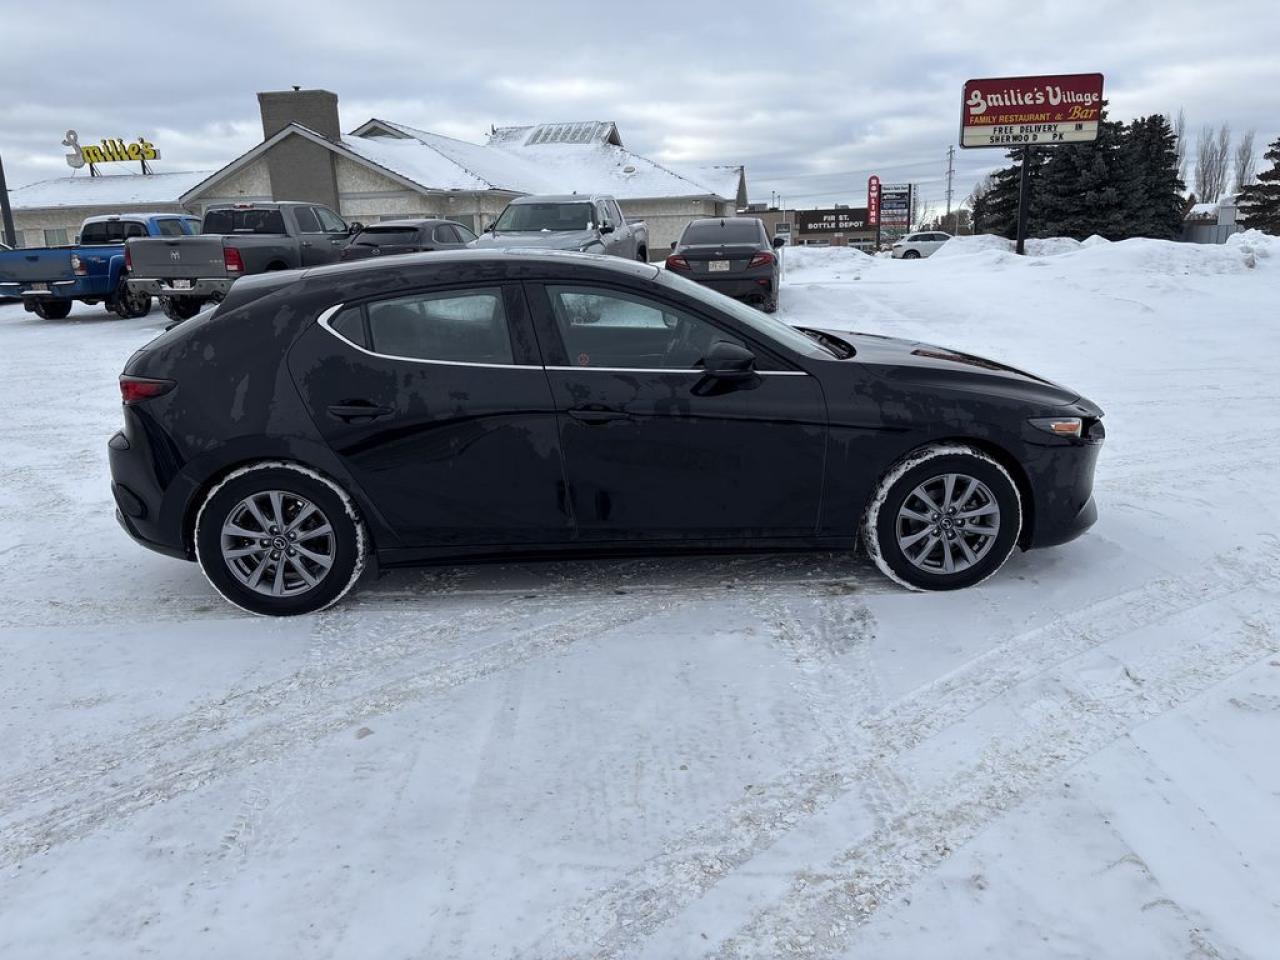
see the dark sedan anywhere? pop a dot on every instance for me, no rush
(407, 236)
(489, 403)
(732, 255)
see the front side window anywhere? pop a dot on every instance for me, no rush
(464, 234)
(330, 222)
(459, 326)
(614, 329)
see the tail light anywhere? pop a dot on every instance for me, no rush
(231, 258)
(77, 266)
(677, 262)
(128, 260)
(135, 389)
(761, 259)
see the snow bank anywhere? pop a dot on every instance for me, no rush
(1036, 247)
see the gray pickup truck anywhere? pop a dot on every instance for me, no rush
(235, 240)
(590, 223)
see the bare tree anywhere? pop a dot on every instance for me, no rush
(1213, 154)
(1180, 135)
(1244, 161)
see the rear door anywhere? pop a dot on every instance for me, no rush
(313, 242)
(438, 405)
(656, 451)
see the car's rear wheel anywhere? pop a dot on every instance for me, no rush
(179, 308)
(911, 255)
(945, 517)
(52, 309)
(129, 303)
(280, 539)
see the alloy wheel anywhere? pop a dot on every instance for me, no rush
(277, 543)
(948, 523)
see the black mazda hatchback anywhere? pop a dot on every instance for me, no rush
(498, 404)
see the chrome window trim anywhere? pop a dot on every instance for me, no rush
(328, 314)
(697, 370)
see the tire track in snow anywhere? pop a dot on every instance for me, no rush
(1068, 724)
(617, 919)
(103, 804)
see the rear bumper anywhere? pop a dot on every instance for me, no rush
(140, 502)
(204, 288)
(740, 288)
(55, 290)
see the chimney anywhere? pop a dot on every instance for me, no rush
(301, 169)
(315, 109)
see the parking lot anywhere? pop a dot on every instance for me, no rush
(756, 756)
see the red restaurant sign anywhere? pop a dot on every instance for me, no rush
(1016, 111)
(873, 201)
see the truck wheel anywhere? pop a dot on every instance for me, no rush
(642, 255)
(129, 303)
(51, 309)
(178, 309)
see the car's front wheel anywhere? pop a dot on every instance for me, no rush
(280, 539)
(944, 517)
(911, 255)
(178, 309)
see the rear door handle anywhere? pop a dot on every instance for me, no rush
(358, 411)
(596, 415)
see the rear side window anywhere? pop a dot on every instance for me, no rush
(243, 221)
(446, 234)
(729, 230)
(459, 326)
(94, 233)
(169, 228)
(307, 222)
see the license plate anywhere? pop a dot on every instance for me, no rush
(39, 288)
(718, 266)
(182, 284)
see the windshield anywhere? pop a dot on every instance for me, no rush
(761, 323)
(243, 221)
(376, 236)
(531, 217)
(745, 230)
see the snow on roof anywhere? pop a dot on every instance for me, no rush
(108, 190)
(585, 157)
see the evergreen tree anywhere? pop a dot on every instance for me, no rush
(1087, 188)
(1155, 198)
(996, 211)
(1260, 201)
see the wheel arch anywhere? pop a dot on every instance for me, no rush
(1011, 465)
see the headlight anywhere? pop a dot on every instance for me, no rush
(1059, 426)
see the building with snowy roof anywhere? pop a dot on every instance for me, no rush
(384, 170)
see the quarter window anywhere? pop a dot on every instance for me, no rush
(621, 330)
(459, 326)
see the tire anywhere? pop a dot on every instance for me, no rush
(642, 255)
(129, 304)
(267, 579)
(178, 309)
(911, 255)
(914, 552)
(770, 306)
(51, 309)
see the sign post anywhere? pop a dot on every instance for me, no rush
(873, 207)
(1026, 112)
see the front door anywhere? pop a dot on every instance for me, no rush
(438, 405)
(656, 450)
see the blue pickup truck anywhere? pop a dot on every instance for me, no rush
(91, 270)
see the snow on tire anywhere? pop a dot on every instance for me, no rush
(944, 517)
(278, 539)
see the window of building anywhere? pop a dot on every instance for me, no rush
(460, 326)
(55, 236)
(610, 329)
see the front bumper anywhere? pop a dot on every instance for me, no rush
(205, 288)
(1061, 479)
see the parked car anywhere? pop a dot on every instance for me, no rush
(589, 224)
(91, 270)
(731, 255)
(407, 236)
(916, 245)
(488, 404)
(236, 240)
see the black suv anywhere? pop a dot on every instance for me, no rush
(483, 403)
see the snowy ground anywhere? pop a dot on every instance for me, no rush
(758, 757)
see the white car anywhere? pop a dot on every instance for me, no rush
(916, 245)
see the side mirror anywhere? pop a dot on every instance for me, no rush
(779, 242)
(606, 227)
(728, 361)
(354, 228)
(673, 246)
(77, 239)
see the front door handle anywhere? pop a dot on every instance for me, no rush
(596, 415)
(361, 410)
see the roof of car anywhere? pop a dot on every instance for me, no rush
(559, 198)
(590, 261)
(410, 222)
(107, 217)
(723, 220)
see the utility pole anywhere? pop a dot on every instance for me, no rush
(951, 155)
(6, 213)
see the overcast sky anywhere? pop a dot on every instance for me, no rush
(811, 97)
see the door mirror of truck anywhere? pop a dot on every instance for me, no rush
(354, 228)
